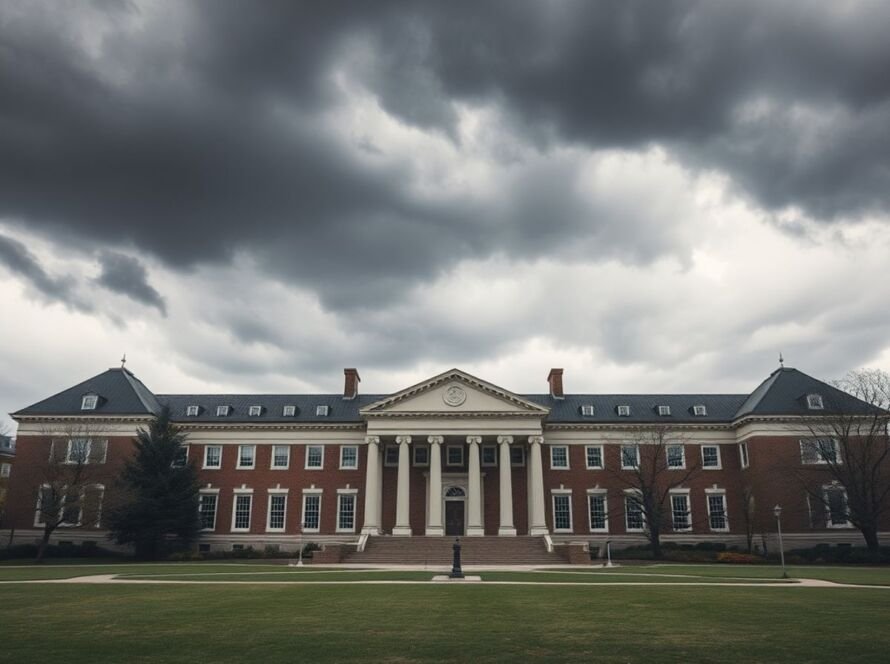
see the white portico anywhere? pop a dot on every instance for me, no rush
(472, 435)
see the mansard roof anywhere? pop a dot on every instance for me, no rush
(783, 393)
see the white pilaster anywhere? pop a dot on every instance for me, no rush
(403, 523)
(506, 527)
(537, 525)
(474, 499)
(434, 527)
(372, 489)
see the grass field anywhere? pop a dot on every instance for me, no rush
(428, 622)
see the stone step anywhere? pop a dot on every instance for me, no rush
(438, 550)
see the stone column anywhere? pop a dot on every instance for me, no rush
(372, 489)
(506, 487)
(474, 499)
(434, 527)
(403, 498)
(537, 525)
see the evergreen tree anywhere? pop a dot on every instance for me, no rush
(159, 493)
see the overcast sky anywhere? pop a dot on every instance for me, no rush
(251, 196)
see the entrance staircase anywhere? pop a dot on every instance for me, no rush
(438, 551)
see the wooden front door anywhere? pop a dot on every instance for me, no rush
(454, 517)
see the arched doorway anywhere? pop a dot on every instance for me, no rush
(455, 510)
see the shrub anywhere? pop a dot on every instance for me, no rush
(735, 557)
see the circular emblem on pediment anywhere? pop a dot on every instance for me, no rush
(454, 396)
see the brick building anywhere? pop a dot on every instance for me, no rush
(454, 455)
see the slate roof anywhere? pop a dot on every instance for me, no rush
(121, 393)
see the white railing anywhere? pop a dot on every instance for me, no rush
(362, 542)
(548, 542)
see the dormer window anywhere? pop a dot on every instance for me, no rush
(191, 411)
(623, 411)
(664, 410)
(89, 402)
(289, 411)
(321, 411)
(222, 411)
(255, 411)
(699, 410)
(587, 410)
(814, 402)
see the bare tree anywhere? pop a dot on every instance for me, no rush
(650, 468)
(845, 464)
(70, 490)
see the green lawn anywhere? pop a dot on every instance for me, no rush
(478, 623)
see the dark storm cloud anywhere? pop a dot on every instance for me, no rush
(126, 275)
(196, 135)
(17, 259)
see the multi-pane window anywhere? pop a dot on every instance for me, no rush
(623, 411)
(71, 509)
(559, 456)
(289, 411)
(596, 503)
(191, 411)
(78, 451)
(277, 511)
(633, 513)
(280, 456)
(562, 512)
(348, 456)
(346, 511)
(814, 402)
(594, 456)
(680, 511)
(5, 469)
(743, 454)
(517, 455)
(207, 511)
(181, 456)
(311, 510)
(699, 410)
(489, 455)
(587, 410)
(213, 456)
(630, 456)
(710, 456)
(241, 517)
(314, 456)
(246, 456)
(676, 458)
(717, 512)
(819, 450)
(455, 455)
(255, 411)
(836, 507)
(421, 455)
(322, 411)
(391, 455)
(664, 410)
(89, 402)
(222, 411)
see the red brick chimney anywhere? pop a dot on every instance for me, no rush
(350, 388)
(555, 380)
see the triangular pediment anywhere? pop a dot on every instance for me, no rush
(454, 392)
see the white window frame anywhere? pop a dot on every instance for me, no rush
(684, 493)
(386, 462)
(744, 455)
(636, 448)
(322, 410)
(185, 449)
(483, 462)
(207, 449)
(68, 524)
(829, 523)
(286, 465)
(719, 465)
(215, 494)
(587, 410)
(192, 411)
(667, 456)
(628, 493)
(254, 411)
(89, 402)
(710, 493)
(313, 493)
(242, 493)
(88, 450)
(222, 411)
(288, 411)
(309, 449)
(517, 449)
(567, 494)
(700, 410)
(664, 411)
(448, 461)
(815, 402)
(343, 448)
(602, 463)
(276, 493)
(821, 460)
(598, 493)
(5, 470)
(346, 493)
(414, 461)
(252, 465)
(553, 448)
(623, 410)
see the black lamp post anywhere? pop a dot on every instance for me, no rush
(777, 510)
(456, 572)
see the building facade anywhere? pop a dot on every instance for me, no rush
(452, 455)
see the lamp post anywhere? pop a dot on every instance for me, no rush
(609, 553)
(777, 510)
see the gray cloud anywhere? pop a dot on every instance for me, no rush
(16, 257)
(126, 275)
